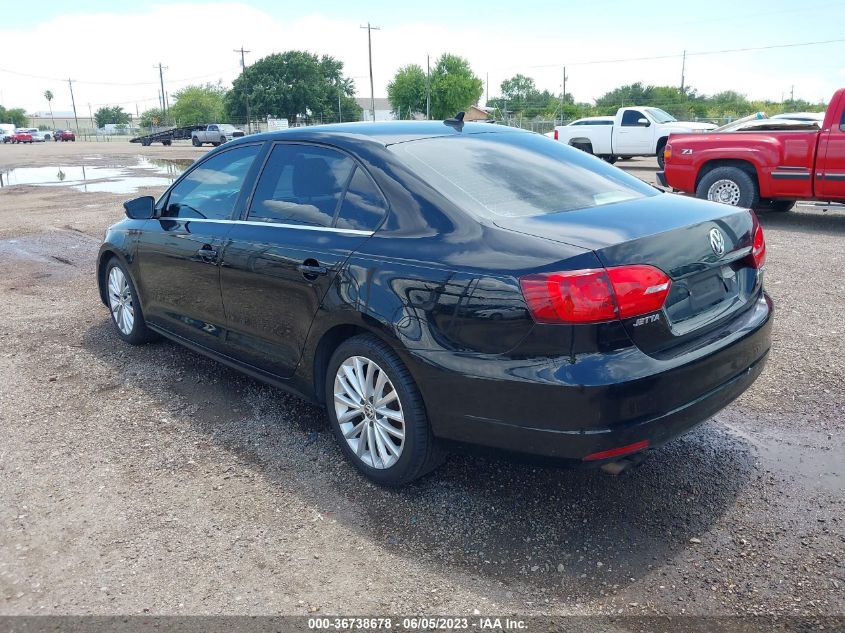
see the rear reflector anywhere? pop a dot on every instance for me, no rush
(556, 134)
(758, 244)
(617, 452)
(596, 294)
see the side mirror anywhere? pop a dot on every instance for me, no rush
(142, 208)
(644, 122)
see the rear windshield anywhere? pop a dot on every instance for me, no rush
(517, 175)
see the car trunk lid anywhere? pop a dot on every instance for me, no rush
(703, 247)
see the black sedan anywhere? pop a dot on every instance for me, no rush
(437, 284)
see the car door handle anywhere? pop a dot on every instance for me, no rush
(208, 253)
(312, 270)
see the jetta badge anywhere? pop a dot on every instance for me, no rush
(717, 242)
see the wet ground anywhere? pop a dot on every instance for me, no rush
(152, 480)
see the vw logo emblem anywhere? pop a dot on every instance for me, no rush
(717, 242)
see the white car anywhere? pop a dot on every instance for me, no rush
(816, 117)
(637, 131)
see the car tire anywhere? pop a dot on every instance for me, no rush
(222, 140)
(418, 452)
(660, 159)
(777, 206)
(124, 306)
(729, 185)
(195, 141)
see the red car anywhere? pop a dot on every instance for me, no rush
(64, 135)
(21, 136)
(769, 170)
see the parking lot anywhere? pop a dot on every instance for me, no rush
(152, 480)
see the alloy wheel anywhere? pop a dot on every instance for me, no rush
(120, 301)
(369, 412)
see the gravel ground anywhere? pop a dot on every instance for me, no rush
(152, 480)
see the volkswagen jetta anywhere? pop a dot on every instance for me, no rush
(435, 283)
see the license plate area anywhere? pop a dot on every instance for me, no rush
(699, 293)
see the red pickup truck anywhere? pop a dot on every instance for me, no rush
(766, 170)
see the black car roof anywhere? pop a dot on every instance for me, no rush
(384, 132)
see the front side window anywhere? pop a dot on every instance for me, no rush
(517, 174)
(211, 190)
(661, 116)
(301, 184)
(630, 117)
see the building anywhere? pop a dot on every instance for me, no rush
(63, 121)
(383, 110)
(479, 113)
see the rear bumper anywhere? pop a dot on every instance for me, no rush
(661, 178)
(546, 407)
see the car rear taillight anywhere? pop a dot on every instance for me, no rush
(667, 153)
(556, 138)
(595, 295)
(758, 244)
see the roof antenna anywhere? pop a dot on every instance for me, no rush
(457, 121)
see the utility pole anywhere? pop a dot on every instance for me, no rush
(73, 101)
(563, 95)
(792, 94)
(428, 87)
(370, 29)
(487, 90)
(683, 70)
(161, 70)
(90, 116)
(246, 91)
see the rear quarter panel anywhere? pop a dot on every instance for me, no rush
(782, 161)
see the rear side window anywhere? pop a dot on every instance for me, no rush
(301, 184)
(362, 207)
(517, 174)
(211, 190)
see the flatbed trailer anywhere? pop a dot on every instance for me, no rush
(166, 137)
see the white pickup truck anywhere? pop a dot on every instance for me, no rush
(216, 134)
(634, 132)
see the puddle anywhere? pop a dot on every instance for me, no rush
(146, 172)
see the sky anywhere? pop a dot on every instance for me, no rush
(112, 48)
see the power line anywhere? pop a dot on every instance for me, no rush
(115, 83)
(688, 54)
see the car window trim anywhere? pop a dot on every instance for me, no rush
(244, 216)
(304, 227)
(165, 198)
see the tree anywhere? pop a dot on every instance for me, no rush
(630, 95)
(49, 96)
(406, 91)
(151, 118)
(198, 104)
(294, 84)
(15, 116)
(114, 115)
(454, 87)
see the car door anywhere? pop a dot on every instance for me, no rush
(312, 207)
(633, 137)
(830, 162)
(178, 251)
